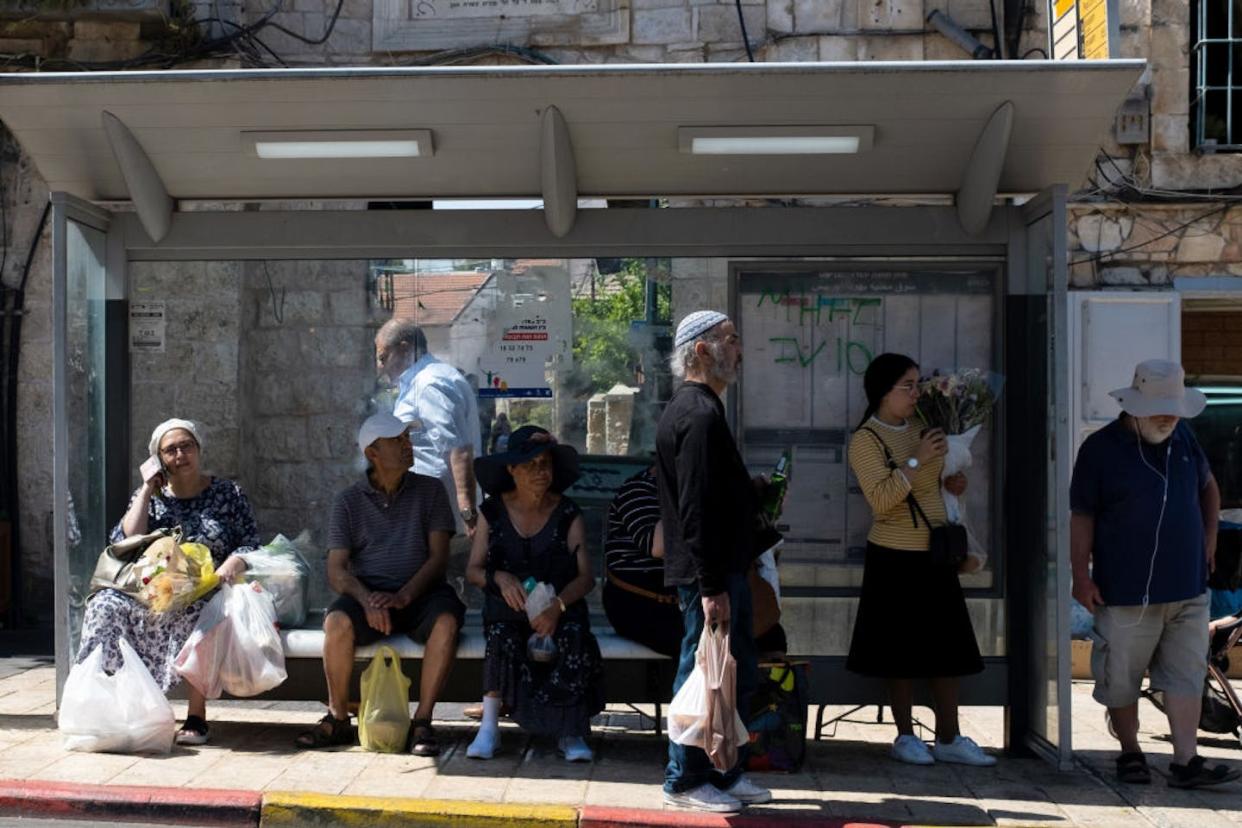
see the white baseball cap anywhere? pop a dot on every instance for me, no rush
(383, 424)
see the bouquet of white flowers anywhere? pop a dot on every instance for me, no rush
(961, 403)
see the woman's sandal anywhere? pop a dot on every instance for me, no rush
(328, 732)
(193, 731)
(423, 738)
(1197, 774)
(1132, 769)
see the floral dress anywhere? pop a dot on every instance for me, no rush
(221, 519)
(557, 698)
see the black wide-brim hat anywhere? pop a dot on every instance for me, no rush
(526, 444)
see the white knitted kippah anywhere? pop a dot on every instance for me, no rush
(695, 325)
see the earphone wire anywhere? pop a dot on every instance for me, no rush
(1164, 500)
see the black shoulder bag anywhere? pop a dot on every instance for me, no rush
(948, 543)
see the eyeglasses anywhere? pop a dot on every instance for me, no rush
(188, 447)
(907, 387)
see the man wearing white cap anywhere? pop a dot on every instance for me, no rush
(388, 548)
(1142, 541)
(709, 507)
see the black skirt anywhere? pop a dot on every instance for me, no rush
(912, 620)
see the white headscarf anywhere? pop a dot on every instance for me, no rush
(163, 428)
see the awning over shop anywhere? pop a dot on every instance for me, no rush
(621, 131)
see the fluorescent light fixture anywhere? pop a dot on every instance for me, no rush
(374, 143)
(775, 140)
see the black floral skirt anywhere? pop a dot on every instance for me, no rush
(556, 698)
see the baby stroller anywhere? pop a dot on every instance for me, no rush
(1222, 709)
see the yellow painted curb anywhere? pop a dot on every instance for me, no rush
(324, 809)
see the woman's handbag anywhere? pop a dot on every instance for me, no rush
(777, 722)
(115, 567)
(949, 543)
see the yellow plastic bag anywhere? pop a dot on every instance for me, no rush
(384, 714)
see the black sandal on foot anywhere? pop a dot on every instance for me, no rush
(1132, 769)
(329, 732)
(1197, 774)
(193, 732)
(423, 738)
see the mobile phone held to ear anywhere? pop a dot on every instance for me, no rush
(150, 468)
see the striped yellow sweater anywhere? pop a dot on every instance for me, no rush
(885, 488)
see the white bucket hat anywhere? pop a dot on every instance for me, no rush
(1159, 389)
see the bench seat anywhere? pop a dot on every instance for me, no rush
(303, 643)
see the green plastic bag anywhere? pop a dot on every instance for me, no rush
(384, 714)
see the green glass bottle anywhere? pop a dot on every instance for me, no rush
(778, 483)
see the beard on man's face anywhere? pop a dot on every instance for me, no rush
(1153, 431)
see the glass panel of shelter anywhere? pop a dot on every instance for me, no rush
(276, 360)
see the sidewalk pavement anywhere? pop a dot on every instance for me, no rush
(250, 774)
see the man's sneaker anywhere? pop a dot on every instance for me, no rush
(962, 751)
(748, 793)
(705, 797)
(910, 749)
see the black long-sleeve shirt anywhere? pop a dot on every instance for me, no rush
(707, 501)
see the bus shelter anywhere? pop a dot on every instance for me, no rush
(226, 242)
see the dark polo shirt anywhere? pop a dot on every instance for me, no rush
(388, 537)
(1118, 481)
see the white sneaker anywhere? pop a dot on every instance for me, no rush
(912, 750)
(962, 751)
(574, 749)
(706, 797)
(484, 744)
(748, 793)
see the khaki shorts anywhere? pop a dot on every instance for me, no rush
(1169, 640)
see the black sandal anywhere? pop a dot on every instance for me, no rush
(329, 732)
(1197, 774)
(423, 738)
(1132, 769)
(193, 731)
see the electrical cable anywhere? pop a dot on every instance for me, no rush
(1029, 52)
(741, 21)
(999, 51)
(1107, 254)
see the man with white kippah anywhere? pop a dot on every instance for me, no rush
(708, 505)
(388, 548)
(1142, 541)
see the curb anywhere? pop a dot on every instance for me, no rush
(592, 816)
(169, 806)
(281, 809)
(255, 809)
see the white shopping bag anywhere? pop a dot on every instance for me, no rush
(704, 712)
(122, 713)
(235, 647)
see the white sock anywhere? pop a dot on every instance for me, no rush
(491, 712)
(484, 744)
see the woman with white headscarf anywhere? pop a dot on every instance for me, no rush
(211, 511)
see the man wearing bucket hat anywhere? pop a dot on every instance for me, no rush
(708, 506)
(388, 548)
(1142, 541)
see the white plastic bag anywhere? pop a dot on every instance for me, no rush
(282, 570)
(957, 459)
(541, 648)
(704, 712)
(122, 713)
(235, 647)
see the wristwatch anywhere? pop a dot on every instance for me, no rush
(469, 514)
(912, 463)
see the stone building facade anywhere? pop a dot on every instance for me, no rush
(1150, 215)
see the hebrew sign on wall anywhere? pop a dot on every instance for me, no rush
(420, 25)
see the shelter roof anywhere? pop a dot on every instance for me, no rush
(623, 122)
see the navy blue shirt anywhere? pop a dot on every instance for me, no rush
(1122, 491)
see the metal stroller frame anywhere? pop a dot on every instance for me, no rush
(1216, 684)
